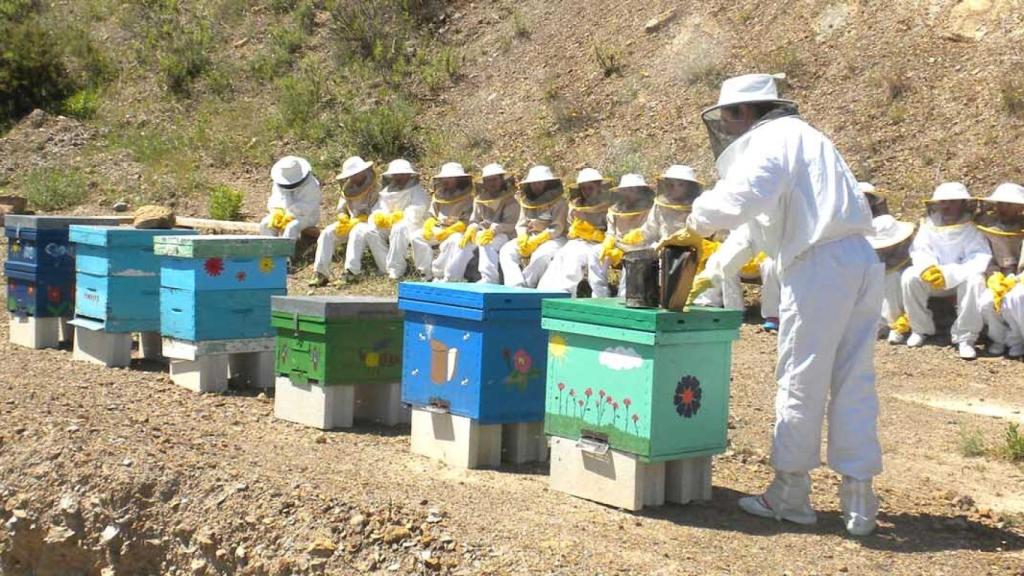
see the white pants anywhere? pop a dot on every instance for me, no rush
(597, 272)
(892, 302)
(490, 260)
(830, 297)
(423, 254)
(399, 240)
(770, 291)
(487, 264)
(291, 230)
(450, 263)
(568, 267)
(968, 324)
(512, 263)
(724, 293)
(363, 235)
(998, 324)
(1013, 315)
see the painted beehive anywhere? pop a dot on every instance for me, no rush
(647, 381)
(336, 340)
(219, 287)
(117, 277)
(475, 350)
(40, 266)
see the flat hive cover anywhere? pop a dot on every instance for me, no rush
(614, 313)
(329, 307)
(226, 246)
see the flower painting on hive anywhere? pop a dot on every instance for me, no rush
(521, 368)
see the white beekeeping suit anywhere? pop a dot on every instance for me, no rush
(400, 212)
(359, 197)
(629, 229)
(891, 241)
(447, 219)
(949, 257)
(540, 230)
(588, 219)
(491, 225)
(294, 202)
(1002, 223)
(788, 181)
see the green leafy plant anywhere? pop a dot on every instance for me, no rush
(82, 104)
(185, 58)
(51, 189)
(225, 203)
(609, 59)
(32, 72)
(387, 131)
(1014, 443)
(972, 444)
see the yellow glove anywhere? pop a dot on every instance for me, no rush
(277, 218)
(633, 237)
(707, 248)
(457, 227)
(345, 225)
(428, 228)
(701, 283)
(753, 268)
(901, 325)
(537, 240)
(381, 221)
(685, 238)
(596, 236)
(933, 275)
(396, 217)
(469, 235)
(610, 252)
(521, 243)
(1000, 285)
(484, 237)
(580, 229)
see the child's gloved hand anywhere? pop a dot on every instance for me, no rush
(469, 235)
(933, 275)
(485, 237)
(633, 237)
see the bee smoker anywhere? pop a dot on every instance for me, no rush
(662, 280)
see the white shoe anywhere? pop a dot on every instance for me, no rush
(966, 351)
(1016, 351)
(896, 338)
(859, 505)
(788, 497)
(916, 340)
(996, 349)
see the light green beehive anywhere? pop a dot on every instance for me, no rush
(650, 382)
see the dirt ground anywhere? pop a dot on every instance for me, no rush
(118, 471)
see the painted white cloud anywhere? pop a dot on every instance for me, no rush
(620, 358)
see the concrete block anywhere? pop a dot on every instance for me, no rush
(613, 478)
(150, 346)
(323, 407)
(35, 333)
(524, 442)
(253, 370)
(104, 348)
(688, 479)
(206, 374)
(381, 404)
(456, 440)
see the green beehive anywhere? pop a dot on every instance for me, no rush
(338, 340)
(646, 381)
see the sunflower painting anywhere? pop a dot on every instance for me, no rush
(266, 264)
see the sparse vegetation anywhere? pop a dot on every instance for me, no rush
(387, 131)
(82, 104)
(1013, 446)
(32, 69)
(896, 86)
(51, 189)
(1011, 92)
(609, 59)
(972, 443)
(225, 203)
(520, 28)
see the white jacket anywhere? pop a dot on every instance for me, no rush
(302, 202)
(793, 188)
(959, 250)
(413, 201)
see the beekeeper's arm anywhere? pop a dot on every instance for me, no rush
(977, 256)
(922, 254)
(559, 216)
(522, 225)
(651, 228)
(753, 187)
(276, 201)
(305, 205)
(416, 211)
(733, 254)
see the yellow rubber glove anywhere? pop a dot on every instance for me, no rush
(610, 252)
(396, 217)
(707, 248)
(901, 325)
(633, 237)
(933, 275)
(381, 221)
(445, 233)
(428, 228)
(537, 240)
(701, 283)
(685, 238)
(597, 236)
(469, 235)
(1000, 285)
(345, 225)
(521, 244)
(277, 218)
(753, 268)
(580, 229)
(485, 237)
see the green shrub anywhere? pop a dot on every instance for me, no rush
(184, 58)
(82, 104)
(32, 72)
(283, 6)
(300, 97)
(972, 444)
(1014, 446)
(609, 59)
(387, 131)
(225, 203)
(49, 189)
(373, 29)
(1011, 92)
(440, 67)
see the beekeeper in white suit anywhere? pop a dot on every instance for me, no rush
(294, 203)
(589, 201)
(399, 213)
(949, 257)
(789, 182)
(1002, 223)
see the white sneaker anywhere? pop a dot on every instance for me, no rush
(966, 351)
(916, 340)
(996, 349)
(788, 497)
(1016, 351)
(859, 505)
(896, 338)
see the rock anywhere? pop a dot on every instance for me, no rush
(150, 217)
(120, 206)
(322, 547)
(240, 552)
(357, 521)
(394, 534)
(59, 535)
(658, 22)
(110, 534)
(963, 502)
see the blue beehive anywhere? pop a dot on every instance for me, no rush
(476, 350)
(220, 287)
(40, 265)
(117, 278)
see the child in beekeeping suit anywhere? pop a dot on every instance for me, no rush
(1002, 223)
(540, 230)
(359, 194)
(294, 203)
(492, 224)
(399, 213)
(589, 200)
(949, 256)
(447, 219)
(629, 229)
(891, 240)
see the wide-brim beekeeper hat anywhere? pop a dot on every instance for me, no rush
(949, 191)
(400, 166)
(632, 181)
(352, 166)
(290, 171)
(746, 89)
(888, 231)
(1007, 193)
(492, 169)
(540, 174)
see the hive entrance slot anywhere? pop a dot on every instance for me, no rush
(593, 442)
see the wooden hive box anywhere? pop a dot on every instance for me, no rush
(646, 381)
(40, 266)
(338, 340)
(219, 287)
(474, 350)
(117, 278)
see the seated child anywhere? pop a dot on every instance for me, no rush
(540, 230)
(1003, 225)
(447, 218)
(588, 218)
(359, 192)
(629, 229)
(294, 203)
(399, 213)
(491, 225)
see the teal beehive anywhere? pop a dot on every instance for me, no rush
(650, 382)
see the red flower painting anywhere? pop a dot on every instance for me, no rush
(240, 276)
(53, 294)
(522, 361)
(214, 266)
(521, 367)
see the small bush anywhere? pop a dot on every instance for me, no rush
(32, 72)
(225, 203)
(283, 6)
(972, 444)
(1014, 446)
(185, 58)
(387, 131)
(49, 189)
(300, 97)
(896, 86)
(520, 28)
(1011, 93)
(82, 104)
(609, 59)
